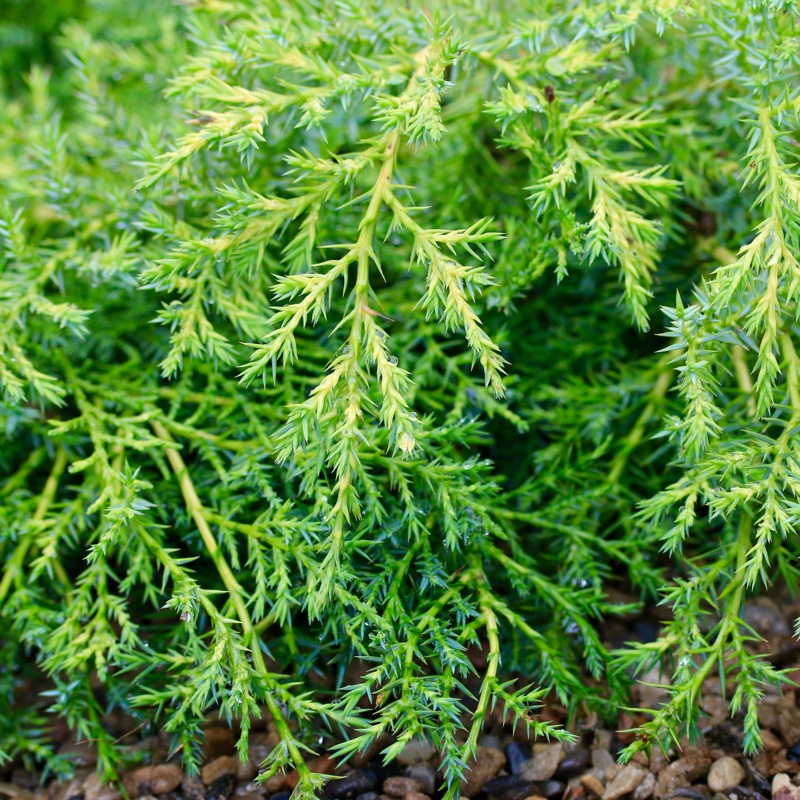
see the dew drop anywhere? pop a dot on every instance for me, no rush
(406, 442)
(186, 616)
(393, 360)
(381, 334)
(345, 349)
(413, 416)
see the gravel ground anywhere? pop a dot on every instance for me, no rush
(508, 766)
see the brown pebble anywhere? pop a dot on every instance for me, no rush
(725, 773)
(658, 761)
(95, 789)
(397, 786)
(487, 762)
(773, 763)
(224, 765)
(680, 774)
(417, 796)
(218, 742)
(601, 759)
(783, 788)
(159, 779)
(593, 785)
(613, 771)
(625, 782)
(193, 788)
(543, 765)
(646, 788)
(276, 783)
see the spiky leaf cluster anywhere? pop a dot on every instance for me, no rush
(329, 357)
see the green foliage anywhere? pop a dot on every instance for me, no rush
(326, 357)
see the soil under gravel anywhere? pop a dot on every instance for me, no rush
(508, 766)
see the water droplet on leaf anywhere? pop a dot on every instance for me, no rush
(392, 360)
(406, 442)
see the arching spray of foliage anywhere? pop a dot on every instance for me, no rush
(330, 337)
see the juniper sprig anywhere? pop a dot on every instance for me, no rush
(330, 354)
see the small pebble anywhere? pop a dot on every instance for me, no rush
(218, 742)
(95, 789)
(487, 762)
(426, 775)
(725, 773)
(646, 788)
(744, 793)
(573, 763)
(491, 741)
(602, 739)
(276, 784)
(352, 784)
(397, 786)
(516, 755)
(770, 741)
(783, 788)
(613, 771)
(152, 780)
(601, 759)
(692, 794)
(510, 787)
(551, 789)
(544, 763)
(416, 750)
(417, 796)
(592, 785)
(224, 765)
(624, 783)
